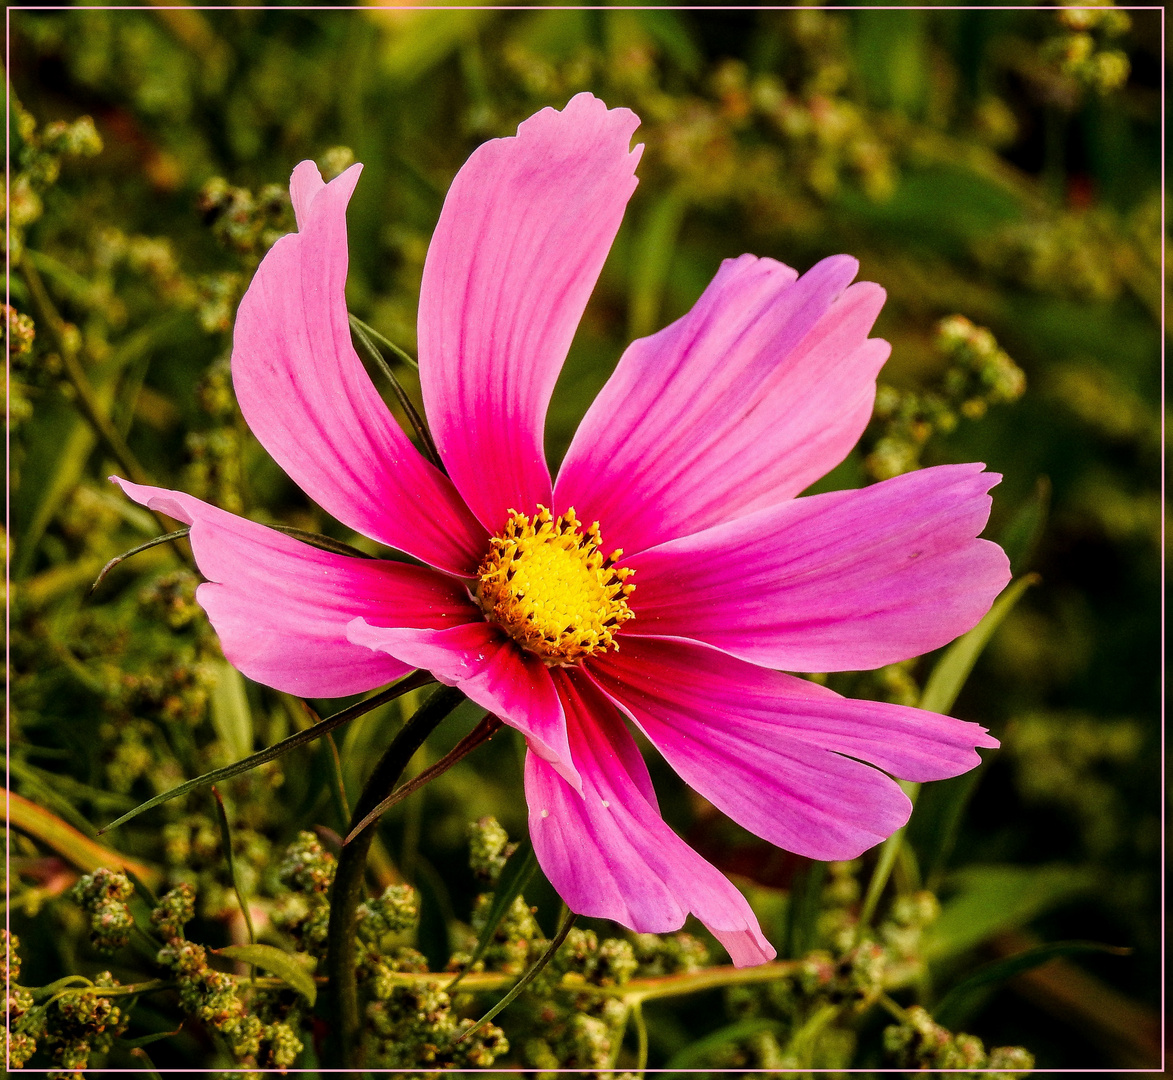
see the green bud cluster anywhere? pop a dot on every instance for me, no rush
(73, 1025)
(103, 895)
(307, 869)
(669, 954)
(921, 1043)
(489, 848)
(1083, 50)
(977, 374)
(307, 866)
(18, 1043)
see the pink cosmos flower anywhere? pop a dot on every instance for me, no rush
(661, 580)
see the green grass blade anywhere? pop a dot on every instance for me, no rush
(178, 534)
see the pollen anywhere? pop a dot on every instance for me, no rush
(548, 585)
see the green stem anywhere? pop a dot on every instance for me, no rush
(387, 343)
(348, 878)
(360, 338)
(641, 1034)
(888, 852)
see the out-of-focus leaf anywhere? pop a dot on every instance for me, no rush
(1001, 970)
(79, 849)
(666, 28)
(891, 48)
(69, 461)
(281, 964)
(1021, 536)
(989, 899)
(515, 875)
(432, 37)
(654, 245)
(698, 1053)
(802, 913)
(41, 787)
(231, 716)
(957, 662)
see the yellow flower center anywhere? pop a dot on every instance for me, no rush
(547, 584)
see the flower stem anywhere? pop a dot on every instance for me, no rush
(348, 878)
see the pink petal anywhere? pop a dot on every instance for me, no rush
(764, 386)
(609, 853)
(843, 581)
(305, 185)
(766, 748)
(308, 399)
(281, 607)
(492, 671)
(524, 232)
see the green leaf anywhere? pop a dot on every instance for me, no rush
(515, 876)
(990, 899)
(957, 661)
(950, 1006)
(802, 913)
(280, 963)
(232, 718)
(404, 686)
(698, 1053)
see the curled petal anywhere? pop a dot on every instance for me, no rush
(837, 582)
(764, 386)
(775, 752)
(609, 853)
(280, 607)
(483, 663)
(524, 232)
(308, 399)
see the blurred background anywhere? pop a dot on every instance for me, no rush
(997, 171)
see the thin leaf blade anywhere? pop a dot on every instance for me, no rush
(957, 662)
(1011, 966)
(516, 874)
(299, 738)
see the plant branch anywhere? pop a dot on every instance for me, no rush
(348, 878)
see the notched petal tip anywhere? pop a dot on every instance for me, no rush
(306, 184)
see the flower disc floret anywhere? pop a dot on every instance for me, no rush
(547, 583)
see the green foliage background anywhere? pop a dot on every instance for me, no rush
(1001, 165)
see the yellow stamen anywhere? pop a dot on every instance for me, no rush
(547, 584)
